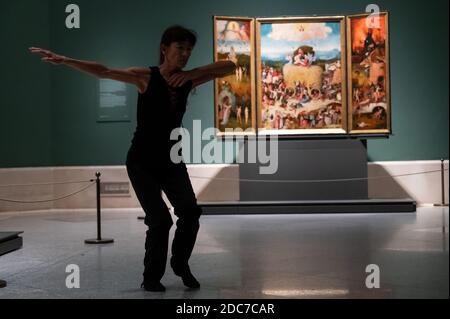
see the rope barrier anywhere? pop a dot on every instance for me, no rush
(54, 183)
(313, 180)
(92, 182)
(97, 182)
(47, 200)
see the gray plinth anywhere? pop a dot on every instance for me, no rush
(309, 160)
(334, 180)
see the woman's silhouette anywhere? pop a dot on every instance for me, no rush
(163, 92)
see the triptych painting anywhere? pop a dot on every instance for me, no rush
(303, 75)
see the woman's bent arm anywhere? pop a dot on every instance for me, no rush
(203, 74)
(212, 71)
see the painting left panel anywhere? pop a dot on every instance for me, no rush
(234, 98)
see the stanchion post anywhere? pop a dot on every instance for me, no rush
(99, 239)
(442, 182)
(442, 185)
(99, 225)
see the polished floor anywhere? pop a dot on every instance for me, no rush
(257, 256)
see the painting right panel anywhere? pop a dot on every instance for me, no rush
(368, 74)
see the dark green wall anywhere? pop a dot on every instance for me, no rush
(123, 33)
(25, 100)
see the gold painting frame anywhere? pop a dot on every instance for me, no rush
(371, 111)
(340, 129)
(246, 103)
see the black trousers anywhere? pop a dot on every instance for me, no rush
(149, 177)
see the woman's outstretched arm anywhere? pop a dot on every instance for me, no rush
(135, 75)
(204, 74)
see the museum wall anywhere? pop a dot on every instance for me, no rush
(25, 96)
(49, 113)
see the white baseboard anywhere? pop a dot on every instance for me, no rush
(208, 183)
(424, 188)
(206, 187)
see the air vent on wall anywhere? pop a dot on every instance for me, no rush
(115, 189)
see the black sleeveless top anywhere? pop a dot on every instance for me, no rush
(160, 109)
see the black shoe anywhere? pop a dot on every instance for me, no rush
(153, 286)
(186, 276)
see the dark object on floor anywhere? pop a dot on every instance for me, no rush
(9, 241)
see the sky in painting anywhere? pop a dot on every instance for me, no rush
(278, 41)
(224, 43)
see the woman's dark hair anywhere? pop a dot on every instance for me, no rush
(176, 33)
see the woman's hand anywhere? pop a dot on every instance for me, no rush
(49, 56)
(180, 78)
